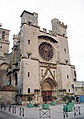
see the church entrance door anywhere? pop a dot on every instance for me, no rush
(47, 96)
(47, 87)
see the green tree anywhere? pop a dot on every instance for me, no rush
(29, 99)
(68, 98)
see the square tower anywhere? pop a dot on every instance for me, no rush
(4, 41)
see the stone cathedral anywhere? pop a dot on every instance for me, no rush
(39, 63)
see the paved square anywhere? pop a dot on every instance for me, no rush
(33, 113)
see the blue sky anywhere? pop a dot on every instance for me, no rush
(71, 12)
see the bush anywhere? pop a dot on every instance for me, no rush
(65, 98)
(68, 98)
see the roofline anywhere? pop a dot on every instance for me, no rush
(26, 12)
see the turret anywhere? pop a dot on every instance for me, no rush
(4, 41)
(29, 18)
(58, 27)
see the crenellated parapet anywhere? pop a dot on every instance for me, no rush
(61, 24)
(46, 31)
(31, 19)
(59, 27)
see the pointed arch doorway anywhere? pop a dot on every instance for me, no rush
(48, 88)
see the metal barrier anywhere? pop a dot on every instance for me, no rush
(13, 109)
(21, 112)
(9, 108)
(77, 110)
(45, 112)
(4, 106)
(1, 105)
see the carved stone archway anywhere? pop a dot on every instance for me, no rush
(48, 87)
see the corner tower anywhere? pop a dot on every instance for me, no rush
(58, 27)
(4, 41)
(29, 65)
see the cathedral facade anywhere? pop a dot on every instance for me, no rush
(39, 64)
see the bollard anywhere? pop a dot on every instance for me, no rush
(21, 112)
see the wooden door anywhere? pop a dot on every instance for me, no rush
(47, 96)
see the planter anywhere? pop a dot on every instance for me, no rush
(53, 103)
(29, 105)
(71, 103)
(68, 108)
(45, 106)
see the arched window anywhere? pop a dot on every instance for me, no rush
(28, 90)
